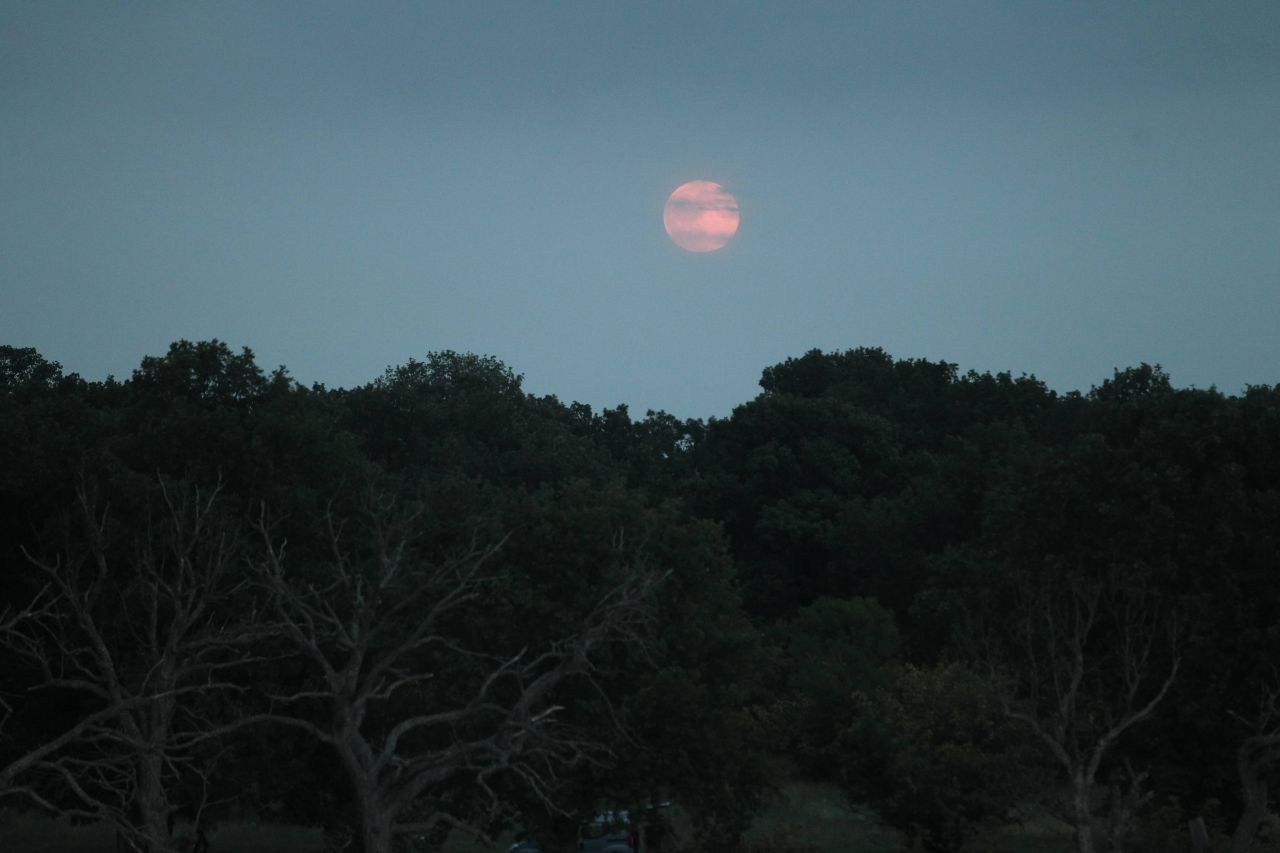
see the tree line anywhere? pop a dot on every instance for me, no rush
(438, 601)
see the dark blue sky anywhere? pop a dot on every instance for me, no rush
(1057, 189)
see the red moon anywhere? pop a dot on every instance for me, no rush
(701, 216)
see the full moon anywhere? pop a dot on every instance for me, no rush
(701, 216)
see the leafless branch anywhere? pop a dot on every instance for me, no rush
(145, 629)
(386, 611)
(1078, 665)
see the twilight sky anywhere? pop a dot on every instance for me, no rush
(1049, 188)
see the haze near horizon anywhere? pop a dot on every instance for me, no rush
(1056, 189)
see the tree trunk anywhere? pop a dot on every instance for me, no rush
(376, 816)
(1199, 835)
(375, 821)
(153, 806)
(1083, 814)
(1255, 808)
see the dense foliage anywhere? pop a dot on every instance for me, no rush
(959, 596)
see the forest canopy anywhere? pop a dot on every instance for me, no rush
(957, 596)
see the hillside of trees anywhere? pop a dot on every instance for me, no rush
(438, 601)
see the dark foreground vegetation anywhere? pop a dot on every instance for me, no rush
(437, 601)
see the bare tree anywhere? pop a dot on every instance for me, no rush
(1257, 754)
(1080, 661)
(14, 636)
(408, 702)
(143, 633)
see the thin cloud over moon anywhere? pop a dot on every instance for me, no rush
(701, 216)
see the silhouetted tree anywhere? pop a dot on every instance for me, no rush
(395, 682)
(142, 624)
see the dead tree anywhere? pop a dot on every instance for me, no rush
(1080, 661)
(142, 630)
(1256, 755)
(15, 636)
(409, 705)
